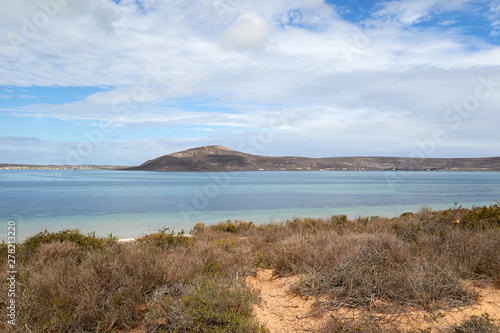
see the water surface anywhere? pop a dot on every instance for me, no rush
(130, 203)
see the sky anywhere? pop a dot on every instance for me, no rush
(121, 82)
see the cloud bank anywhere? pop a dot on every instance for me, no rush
(170, 75)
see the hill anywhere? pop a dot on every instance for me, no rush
(218, 158)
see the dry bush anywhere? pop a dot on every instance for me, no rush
(381, 268)
(298, 254)
(66, 289)
(102, 291)
(377, 224)
(475, 324)
(410, 227)
(69, 282)
(370, 323)
(474, 254)
(222, 255)
(466, 240)
(364, 324)
(206, 304)
(56, 253)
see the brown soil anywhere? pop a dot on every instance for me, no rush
(282, 311)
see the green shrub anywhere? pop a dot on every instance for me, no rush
(225, 243)
(235, 227)
(86, 243)
(165, 239)
(303, 223)
(339, 219)
(481, 218)
(407, 230)
(207, 304)
(198, 228)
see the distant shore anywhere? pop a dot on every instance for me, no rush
(222, 159)
(125, 168)
(60, 167)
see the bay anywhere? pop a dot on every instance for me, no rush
(131, 203)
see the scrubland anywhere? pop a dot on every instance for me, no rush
(383, 269)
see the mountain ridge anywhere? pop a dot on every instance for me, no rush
(218, 158)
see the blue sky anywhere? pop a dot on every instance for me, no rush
(120, 82)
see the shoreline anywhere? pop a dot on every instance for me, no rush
(126, 168)
(133, 226)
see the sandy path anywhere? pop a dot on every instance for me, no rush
(489, 302)
(282, 312)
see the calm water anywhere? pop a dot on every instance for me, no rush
(129, 204)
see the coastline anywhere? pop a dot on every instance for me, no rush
(133, 226)
(60, 167)
(128, 168)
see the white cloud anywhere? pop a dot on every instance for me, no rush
(410, 12)
(495, 17)
(240, 62)
(250, 31)
(448, 22)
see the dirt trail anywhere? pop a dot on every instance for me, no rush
(489, 302)
(282, 312)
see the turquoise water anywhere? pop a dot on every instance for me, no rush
(129, 204)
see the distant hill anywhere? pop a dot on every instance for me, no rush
(218, 158)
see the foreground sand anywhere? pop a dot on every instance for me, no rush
(282, 311)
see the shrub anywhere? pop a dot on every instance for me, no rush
(225, 243)
(339, 219)
(368, 324)
(303, 223)
(223, 257)
(476, 324)
(165, 239)
(407, 229)
(199, 228)
(102, 289)
(381, 268)
(235, 227)
(207, 304)
(69, 282)
(473, 253)
(299, 254)
(482, 217)
(86, 243)
(58, 253)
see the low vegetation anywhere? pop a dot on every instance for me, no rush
(168, 282)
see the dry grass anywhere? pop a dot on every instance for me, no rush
(380, 268)
(206, 304)
(69, 282)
